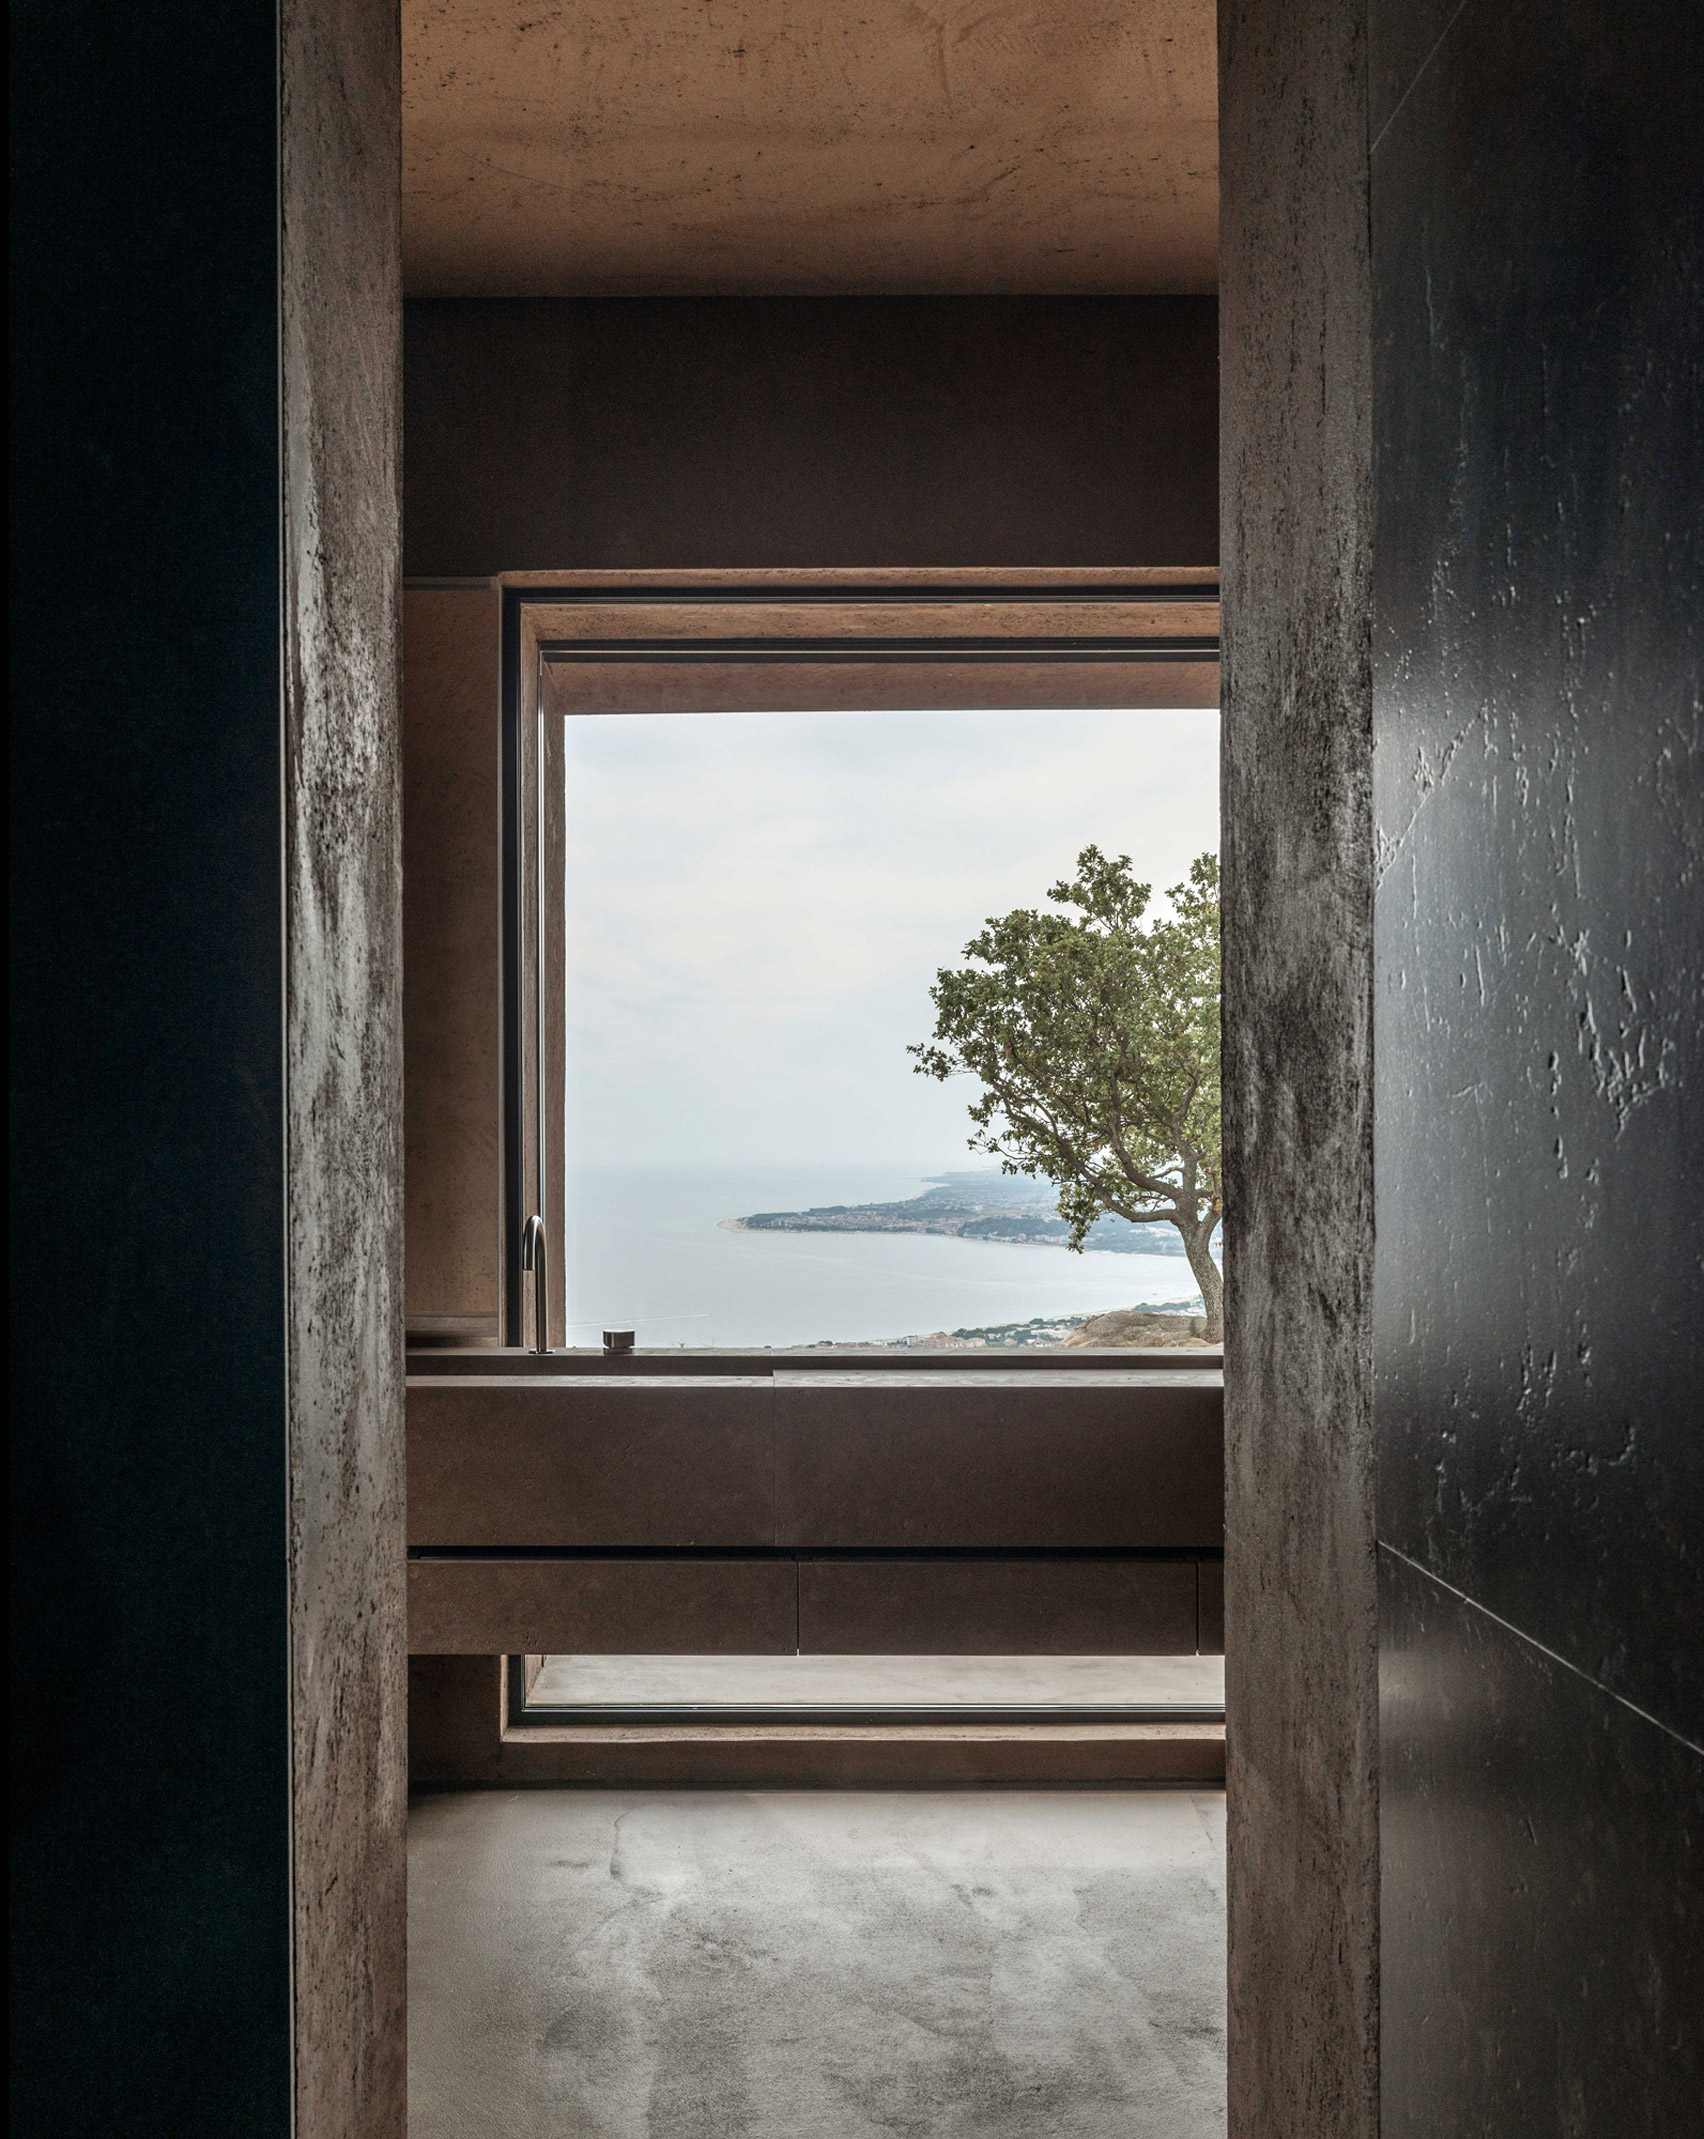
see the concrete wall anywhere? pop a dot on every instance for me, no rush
(1299, 1569)
(546, 434)
(341, 403)
(206, 1546)
(1538, 229)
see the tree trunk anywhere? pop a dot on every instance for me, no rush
(1196, 1245)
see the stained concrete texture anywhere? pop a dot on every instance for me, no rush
(340, 400)
(842, 1964)
(872, 1681)
(1300, 1623)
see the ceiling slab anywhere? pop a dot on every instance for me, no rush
(680, 147)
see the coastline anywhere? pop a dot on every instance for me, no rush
(1010, 1210)
(667, 1251)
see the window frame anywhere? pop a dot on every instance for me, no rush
(1030, 635)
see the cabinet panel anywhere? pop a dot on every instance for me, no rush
(601, 1607)
(943, 1461)
(997, 1607)
(591, 1461)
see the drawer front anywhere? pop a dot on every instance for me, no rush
(601, 1607)
(997, 1607)
(1065, 1462)
(592, 1462)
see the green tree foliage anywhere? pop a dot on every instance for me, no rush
(1095, 1034)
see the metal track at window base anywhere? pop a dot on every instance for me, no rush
(734, 1717)
(934, 652)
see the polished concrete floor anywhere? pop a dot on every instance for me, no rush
(814, 1964)
(882, 1681)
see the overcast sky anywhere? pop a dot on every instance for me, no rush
(758, 902)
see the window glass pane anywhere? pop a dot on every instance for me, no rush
(887, 1682)
(757, 905)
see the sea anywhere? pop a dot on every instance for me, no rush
(648, 1251)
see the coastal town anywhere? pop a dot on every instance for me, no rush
(1168, 1325)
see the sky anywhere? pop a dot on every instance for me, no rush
(758, 903)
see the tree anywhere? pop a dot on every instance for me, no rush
(1097, 1043)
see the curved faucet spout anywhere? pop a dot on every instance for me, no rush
(532, 1258)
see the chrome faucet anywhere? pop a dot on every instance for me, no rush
(532, 1258)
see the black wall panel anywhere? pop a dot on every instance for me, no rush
(150, 1838)
(1538, 259)
(1540, 644)
(1543, 1892)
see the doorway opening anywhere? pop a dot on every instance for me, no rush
(734, 1555)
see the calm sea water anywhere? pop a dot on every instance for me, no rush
(646, 1251)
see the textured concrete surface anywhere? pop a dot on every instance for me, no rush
(340, 328)
(811, 431)
(1538, 227)
(969, 145)
(767, 1965)
(858, 1681)
(1299, 1591)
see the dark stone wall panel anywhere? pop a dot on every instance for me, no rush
(1401, 42)
(1543, 1853)
(1539, 232)
(150, 1699)
(1299, 1631)
(545, 434)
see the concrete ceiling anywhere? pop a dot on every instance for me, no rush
(674, 147)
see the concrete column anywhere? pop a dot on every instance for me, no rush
(1300, 1602)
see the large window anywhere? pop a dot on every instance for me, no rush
(756, 904)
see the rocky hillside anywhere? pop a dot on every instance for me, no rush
(1128, 1326)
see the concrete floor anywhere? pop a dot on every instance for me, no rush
(900, 1681)
(1012, 1964)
